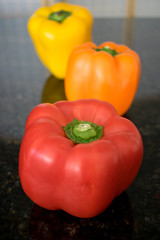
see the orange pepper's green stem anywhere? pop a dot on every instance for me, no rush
(107, 49)
(83, 131)
(59, 16)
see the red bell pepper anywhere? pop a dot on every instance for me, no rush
(78, 156)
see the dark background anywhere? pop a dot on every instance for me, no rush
(24, 83)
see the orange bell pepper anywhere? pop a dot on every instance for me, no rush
(109, 72)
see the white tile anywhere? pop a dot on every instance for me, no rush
(147, 8)
(98, 8)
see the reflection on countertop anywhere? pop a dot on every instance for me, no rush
(58, 225)
(53, 90)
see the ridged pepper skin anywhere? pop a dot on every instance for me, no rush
(110, 72)
(54, 39)
(80, 178)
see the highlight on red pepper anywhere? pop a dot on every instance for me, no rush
(78, 156)
(109, 72)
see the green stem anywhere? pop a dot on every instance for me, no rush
(107, 49)
(59, 16)
(83, 131)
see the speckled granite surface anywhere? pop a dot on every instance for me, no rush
(24, 83)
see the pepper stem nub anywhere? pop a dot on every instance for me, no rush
(107, 49)
(59, 16)
(83, 131)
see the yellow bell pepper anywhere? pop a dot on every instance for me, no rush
(56, 31)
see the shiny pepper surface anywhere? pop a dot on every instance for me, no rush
(109, 72)
(56, 30)
(78, 156)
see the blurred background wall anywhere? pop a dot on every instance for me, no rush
(99, 8)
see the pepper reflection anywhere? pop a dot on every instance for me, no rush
(116, 222)
(53, 90)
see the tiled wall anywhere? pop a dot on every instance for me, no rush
(99, 8)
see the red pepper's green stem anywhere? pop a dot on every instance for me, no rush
(59, 16)
(107, 49)
(83, 131)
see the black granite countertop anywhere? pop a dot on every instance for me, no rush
(24, 83)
